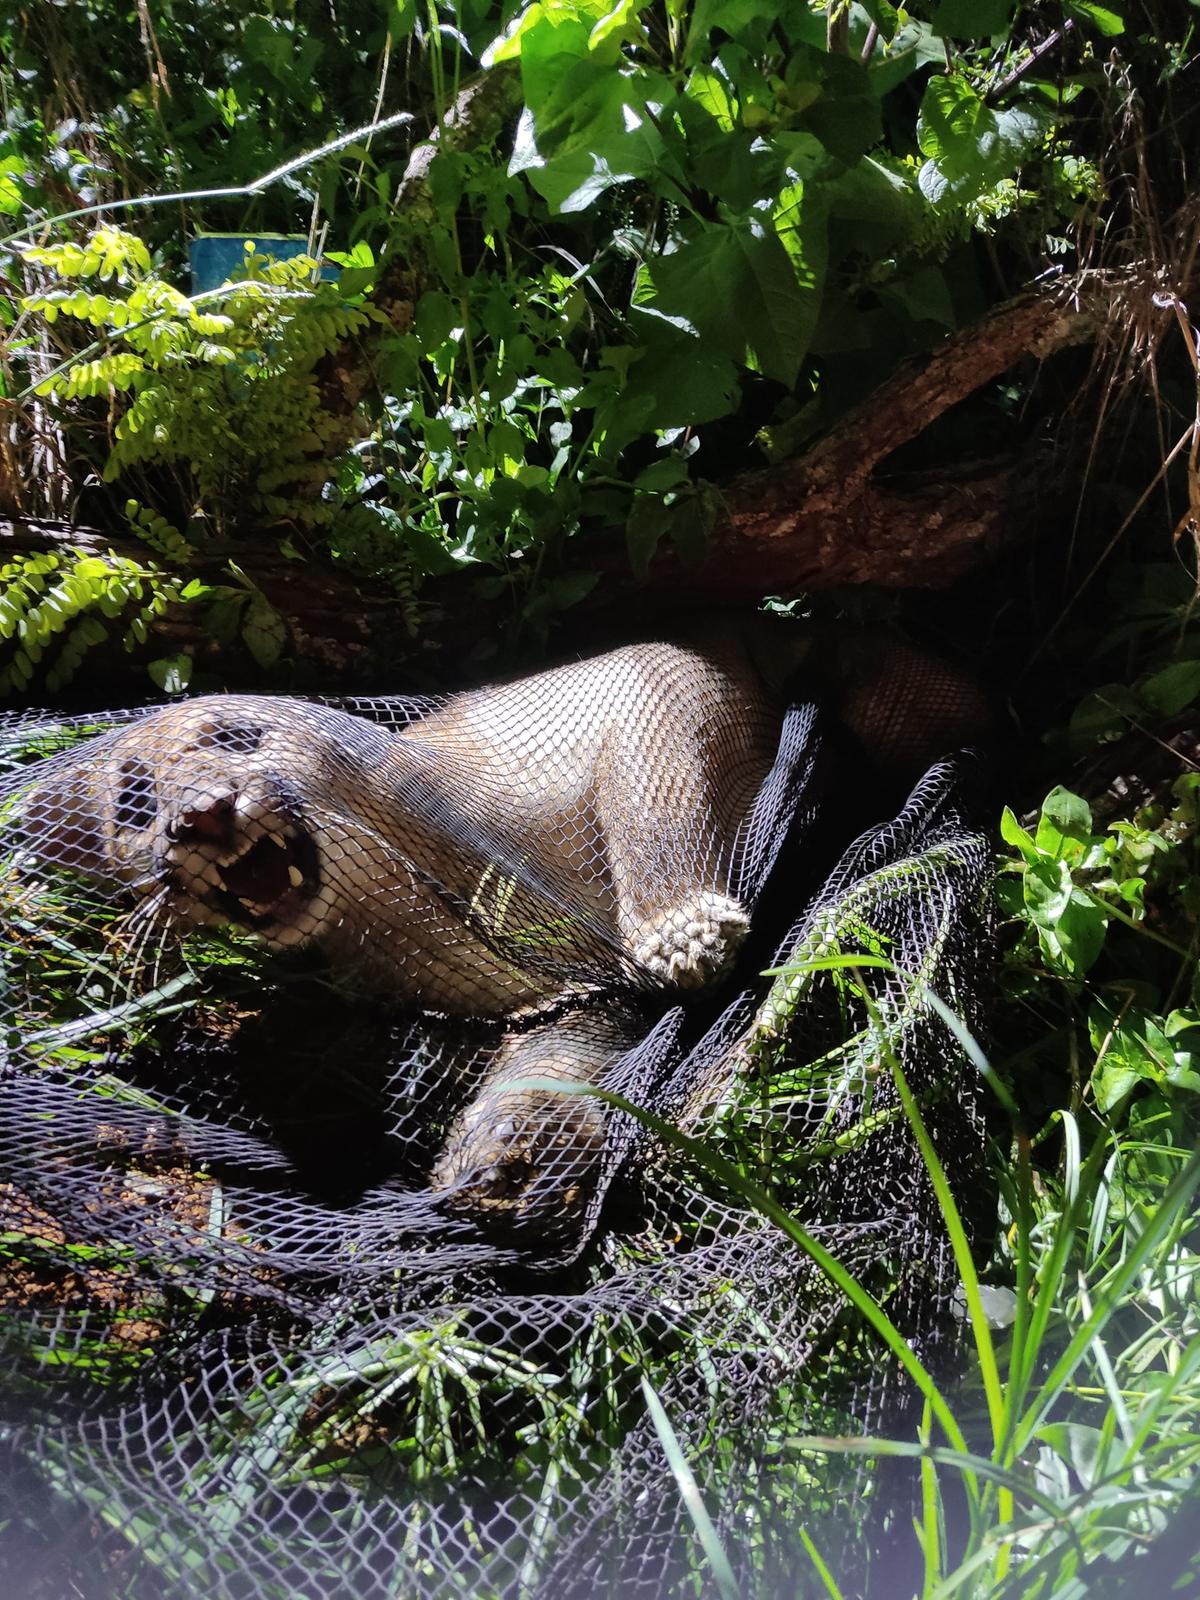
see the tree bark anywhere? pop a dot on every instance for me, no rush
(833, 517)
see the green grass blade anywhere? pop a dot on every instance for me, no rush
(762, 1202)
(814, 1555)
(971, 1049)
(984, 1347)
(689, 1491)
(964, 1461)
(931, 1525)
(1180, 1190)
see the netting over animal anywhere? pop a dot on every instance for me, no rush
(323, 1272)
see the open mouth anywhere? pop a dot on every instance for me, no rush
(271, 880)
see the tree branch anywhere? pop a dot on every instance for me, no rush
(479, 115)
(831, 518)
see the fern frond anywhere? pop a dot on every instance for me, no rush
(69, 600)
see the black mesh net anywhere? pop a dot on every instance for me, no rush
(323, 1272)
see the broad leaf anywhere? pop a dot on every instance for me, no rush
(264, 632)
(588, 124)
(1172, 689)
(1065, 828)
(735, 288)
(971, 19)
(1105, 19)
(970, 146)
(846, 119)
(172, 674)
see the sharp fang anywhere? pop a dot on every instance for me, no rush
(279, 839)
(295, 877)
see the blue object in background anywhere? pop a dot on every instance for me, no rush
(215, 257)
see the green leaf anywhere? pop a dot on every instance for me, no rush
(587, 125)
(1103, 18)
(621, 144)
(914, 46)
(12, 194)
(1048, 889)
(1078, 1444)
(359, 255)
(971, 19)
(970, 146)
(437, 317)
(267, 43)
(847, 117)
(356, 280)
(687, 522)
(621, 21)
(1133, 1050)
(1013, 833)
(884, 206)
(1111, 1081)
(1065, 828)
(1103, 715)
(734, 287)
(923, 296)
(1071, 925)
(669, 473)
(709, 90)
(560, 594)
(675, 382)
(644, 528)
(733, 17)
(1172, 689)
(506, 440)
(693, 516)
(1079, 932)
(801, 223)
(515, 42)
(402, 17)
(172, 674)
(430, 556)
(735, 165)
(264, 632)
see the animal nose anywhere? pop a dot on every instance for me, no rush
(210, 818)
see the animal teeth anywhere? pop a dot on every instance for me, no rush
(295, 876)
(232, 857)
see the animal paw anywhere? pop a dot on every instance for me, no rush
(692, 943)
(523, 1164)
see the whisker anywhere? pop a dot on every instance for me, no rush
(163, 926)
(143, 921)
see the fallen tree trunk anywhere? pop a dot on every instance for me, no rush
(832, 517)
(824, 520)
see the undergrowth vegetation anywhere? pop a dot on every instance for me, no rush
(726, 230)
(720, 227)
